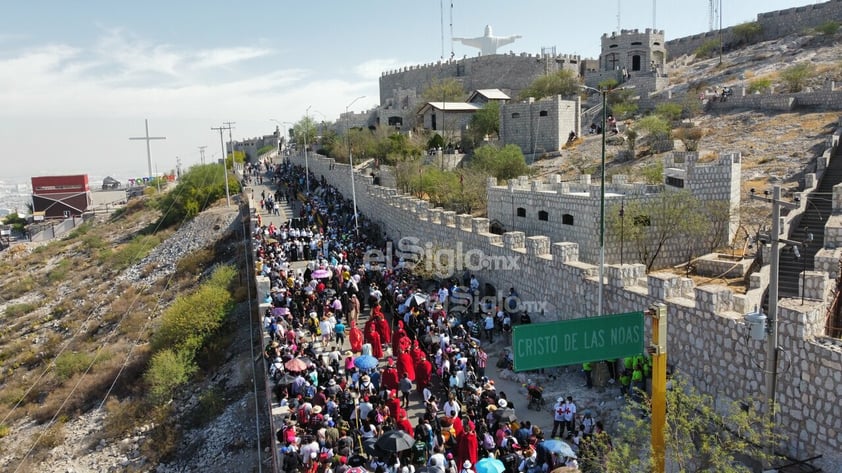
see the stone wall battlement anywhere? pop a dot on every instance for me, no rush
(572, 58)
(647, 31)
(773, 25)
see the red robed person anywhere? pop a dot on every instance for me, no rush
(389, 379)
(372, 337)
(405, 365)
(355, 338)
(423, 373)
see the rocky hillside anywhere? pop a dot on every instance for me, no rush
(78, 316)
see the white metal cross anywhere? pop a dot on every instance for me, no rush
(148, 138)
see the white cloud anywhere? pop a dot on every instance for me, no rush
(227, 56)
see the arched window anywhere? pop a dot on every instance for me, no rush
(542, 113)
(516, 115)
(543, 215)
(567, 219)
(521, 212)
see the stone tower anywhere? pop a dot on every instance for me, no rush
(635, 53)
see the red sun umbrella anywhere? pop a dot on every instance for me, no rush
(296, 364)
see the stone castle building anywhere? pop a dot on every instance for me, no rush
(540, 126)
(400, 90)
(569, 211)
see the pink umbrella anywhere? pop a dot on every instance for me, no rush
(296, 364)
(321, 273)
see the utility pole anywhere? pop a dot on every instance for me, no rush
(148, 138)
(771, 371)
(230, 126)
(306, 161)
(178, 167)
(224, 162)
(351, 162)
(202, 154)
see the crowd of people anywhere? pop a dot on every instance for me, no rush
(354, 347)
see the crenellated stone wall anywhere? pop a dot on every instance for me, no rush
(773, 25)
(708, 340)
(569, 211)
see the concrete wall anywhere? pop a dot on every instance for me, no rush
(708, 340)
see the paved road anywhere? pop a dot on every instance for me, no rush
(557, 382)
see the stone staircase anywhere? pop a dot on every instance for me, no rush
(819, 209)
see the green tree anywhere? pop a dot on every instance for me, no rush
(699, 438)
(828, 28)
(197, 189)
(746, 33)
(238, 157)
(649, 225)
(167, 371)
(503, 163)
(486, 121)
(563, 82)
(707, 49)
(305, 130)
(445, 90)
(670, 111)
(16, 221)
(189, 320)
(398, 147)
(759, 85)
(795, 76)
(653, 125)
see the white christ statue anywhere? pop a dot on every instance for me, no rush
(488, 43)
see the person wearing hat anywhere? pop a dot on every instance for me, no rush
(530, 461)
(466, 467)
(558, 417)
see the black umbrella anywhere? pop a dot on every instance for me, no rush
(416, 300)
(371, 449)
(505, 415)
(286, 379)
(395, 441)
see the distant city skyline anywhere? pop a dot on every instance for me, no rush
(77, 83)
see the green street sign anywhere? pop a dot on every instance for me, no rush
(569, 342)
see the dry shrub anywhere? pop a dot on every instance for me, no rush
(163, 440)
(123, 417)
(241, 293)
(195, 263)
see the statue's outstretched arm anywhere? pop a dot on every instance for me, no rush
(472, 42)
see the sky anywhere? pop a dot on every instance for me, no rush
(77, 79)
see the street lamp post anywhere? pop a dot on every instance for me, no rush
(351, 161)
(306, 160)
